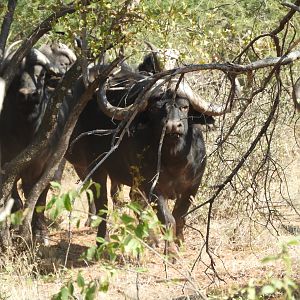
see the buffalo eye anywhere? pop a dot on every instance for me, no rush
(184, 108)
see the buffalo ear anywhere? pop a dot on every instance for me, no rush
(26, 91)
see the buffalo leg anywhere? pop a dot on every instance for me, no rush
(18, 204)
(181, 207)
(116, 190)
(165, 216)
(101, 201)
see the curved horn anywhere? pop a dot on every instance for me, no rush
(38, 57)
(158, 67)
(2, 92)
(8, 51)
(120, 113)
(199, 104)
(296, 94)
(111, 111)
(65, 50)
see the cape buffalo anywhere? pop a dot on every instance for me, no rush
(24, 106)
(170, 117)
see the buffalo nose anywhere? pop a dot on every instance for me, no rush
(174, 127)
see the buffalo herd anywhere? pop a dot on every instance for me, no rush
(162, 145)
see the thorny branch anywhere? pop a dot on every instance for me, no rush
(271, 117)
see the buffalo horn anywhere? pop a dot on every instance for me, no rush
(111, 111)
(2, 92)
(296, 94)
(65, 50)
(120, 113)
(38, 57)
(154, 55)
(199, 104)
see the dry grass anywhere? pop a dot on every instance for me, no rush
(239, 237)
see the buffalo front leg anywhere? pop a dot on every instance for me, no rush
(181, 207)
(165, 216)
(101, 202)
(39, 224)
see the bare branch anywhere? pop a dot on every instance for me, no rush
(292, 6)
(272, 34)
(236, 68)
(5, 28)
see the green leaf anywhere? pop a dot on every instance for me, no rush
(91, 292)
(104, 285)
(270, 258)
(55, 185)
(101, 240)
(96, 221)
(78, 223)
(98, 188)
(132, 246)
(267, 289)
(251, 293)
(290, 282)
(90, 253)
(80, 280)
(62, 295)
(135, 207)
(142, 231)
(71, 288)
(51, 203)
(294, 242)
(278, 284)
(40, 208)
(90, 195)
(67, 202)
(17, 217)
(115, 237)
(126, 219)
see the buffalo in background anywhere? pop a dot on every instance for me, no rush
(24, 107)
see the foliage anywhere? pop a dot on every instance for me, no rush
(128, 236)
(286, 287)
(88, 290)
(61, 201)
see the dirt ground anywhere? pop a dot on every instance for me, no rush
(237, 246)
(237, 257)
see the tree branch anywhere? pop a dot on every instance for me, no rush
(44, 27)
(5, 28)
(292, 6)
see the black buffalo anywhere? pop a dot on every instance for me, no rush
(24, 106)
(172, 115)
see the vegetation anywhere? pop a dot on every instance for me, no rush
(255, 148)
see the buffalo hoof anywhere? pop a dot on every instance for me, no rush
(171, 251)
(88, 222)
(40, 232)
